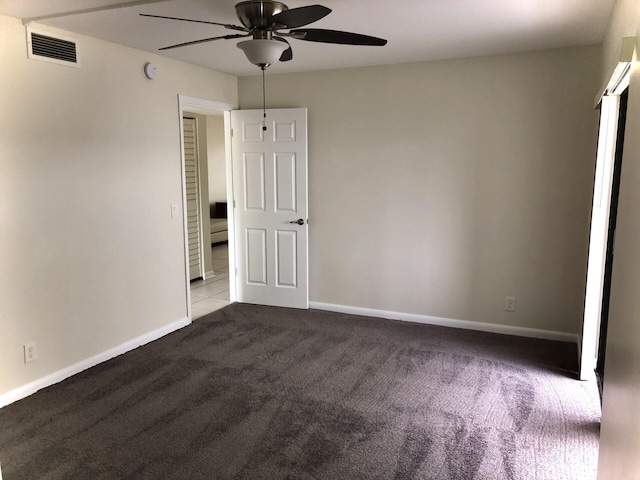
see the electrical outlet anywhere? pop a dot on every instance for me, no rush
(510, 304)
(30, 354)
(174, 211)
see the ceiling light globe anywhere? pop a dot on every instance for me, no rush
(263, 52)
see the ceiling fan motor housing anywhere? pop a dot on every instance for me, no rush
(256, 13)
(263, 19)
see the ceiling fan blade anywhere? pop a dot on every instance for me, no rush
(223, 37)
(225, 25)
(288, 53)
(299, 17)
(336, 36)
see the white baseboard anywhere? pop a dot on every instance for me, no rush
(55, 377)
(449, 322)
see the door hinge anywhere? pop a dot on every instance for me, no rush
(234, 204)
(236, 272)
(232, 132)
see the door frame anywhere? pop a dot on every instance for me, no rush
(608, 100)
(611, 233)
(208, 107)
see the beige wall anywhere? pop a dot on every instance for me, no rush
(620, 433)
(440, 188)
(216, 154)
(89, 168)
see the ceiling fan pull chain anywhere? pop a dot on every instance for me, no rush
(264, 103)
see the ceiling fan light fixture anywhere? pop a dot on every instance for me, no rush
(262, 52)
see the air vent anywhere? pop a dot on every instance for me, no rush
(52, 48)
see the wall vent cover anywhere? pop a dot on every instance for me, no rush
(52, 48)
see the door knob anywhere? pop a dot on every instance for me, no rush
(298, 221)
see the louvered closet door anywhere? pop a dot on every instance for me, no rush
(193, 216)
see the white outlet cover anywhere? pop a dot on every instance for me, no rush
(30, 347)
(510, 304)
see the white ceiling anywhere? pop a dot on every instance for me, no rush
(417, 30)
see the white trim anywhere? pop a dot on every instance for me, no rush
(450, 322)
(185, 226)
(56, 377)
(621, 75)
(609, 103)
(599, 233)
(231, 206)
(579, 350)
(623, 80)
(186, 102)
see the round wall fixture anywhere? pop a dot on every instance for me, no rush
(150, 71)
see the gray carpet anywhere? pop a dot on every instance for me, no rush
(253, 392)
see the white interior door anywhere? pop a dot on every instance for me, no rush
(270, 193)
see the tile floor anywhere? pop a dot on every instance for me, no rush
(212, 294)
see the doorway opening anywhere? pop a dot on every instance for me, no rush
(207, 190)
(611, 236)
(612, 106)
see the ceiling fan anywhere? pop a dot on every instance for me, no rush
(267, 22)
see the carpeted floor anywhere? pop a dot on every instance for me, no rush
(253, 392)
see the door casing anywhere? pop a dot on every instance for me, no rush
(609, 102)
(208, 107)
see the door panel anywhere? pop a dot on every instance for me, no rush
(285, 182)
(256, 252)
(286, 256)
(270, 188)
(254, 182)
